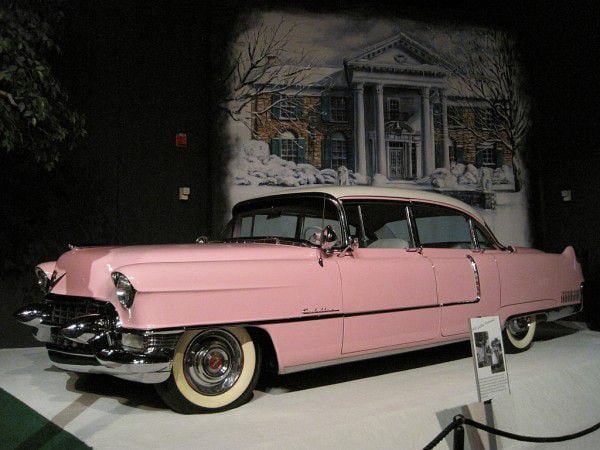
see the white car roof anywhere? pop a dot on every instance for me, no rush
(342, 192)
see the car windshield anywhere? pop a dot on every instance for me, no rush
(294, 218)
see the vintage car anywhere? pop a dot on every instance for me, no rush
(300, 279)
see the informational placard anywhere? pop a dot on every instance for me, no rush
(491, 372)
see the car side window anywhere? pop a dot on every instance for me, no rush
(441, 227)
(379, 224)
(297, 218)
(281, 225)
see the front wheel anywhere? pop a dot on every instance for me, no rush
(519, 334)
(213, 370)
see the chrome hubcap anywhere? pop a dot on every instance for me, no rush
(519, 327)
(213, 362)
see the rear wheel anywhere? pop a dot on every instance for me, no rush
(213, 370)
(519, 333)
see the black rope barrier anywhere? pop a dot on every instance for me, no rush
(461, 420)
(445, 432)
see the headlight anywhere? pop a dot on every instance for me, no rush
(42, 280)
(125, 291)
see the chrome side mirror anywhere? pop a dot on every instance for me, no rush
(353, 244)
(328, 238)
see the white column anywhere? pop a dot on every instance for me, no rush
(419, 162)
(426, 137)
(380, 120)
(359, 129)
(446, 138)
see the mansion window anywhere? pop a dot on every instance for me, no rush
(338, 109)
(336, 152)
(487, 156)
(400, 108)
(288, 147)
(335, 108)
(339, 151)
(286, 107)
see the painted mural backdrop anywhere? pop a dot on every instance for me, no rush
(341, 100)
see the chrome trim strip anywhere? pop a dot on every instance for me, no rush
(477, 286)
(385, 311)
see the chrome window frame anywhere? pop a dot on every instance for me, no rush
(344, 240)
(403, 202)
(472, 221)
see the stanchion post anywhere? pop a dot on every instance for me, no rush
(459, 438)
(459, 433)
(489, 418)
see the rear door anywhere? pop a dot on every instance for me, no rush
(466, 273)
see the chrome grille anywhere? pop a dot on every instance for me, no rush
(60, 343)
(65, 309)
(161, 341)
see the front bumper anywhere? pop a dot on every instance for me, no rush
(151, 367)
(91, 343)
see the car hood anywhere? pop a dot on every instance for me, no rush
(85, 271)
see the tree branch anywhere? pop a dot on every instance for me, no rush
(9, 97)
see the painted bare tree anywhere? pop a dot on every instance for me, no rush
(489, 71)
(264, 63)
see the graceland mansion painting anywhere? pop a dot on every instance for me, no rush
(331, 99)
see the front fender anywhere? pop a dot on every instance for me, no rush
(175, 294)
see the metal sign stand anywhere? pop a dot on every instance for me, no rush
(489, 420)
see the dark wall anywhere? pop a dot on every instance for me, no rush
(140, 73)
(143, 71)
(565, 146)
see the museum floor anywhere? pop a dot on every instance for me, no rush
(399, 402)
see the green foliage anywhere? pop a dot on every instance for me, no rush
(35, 117)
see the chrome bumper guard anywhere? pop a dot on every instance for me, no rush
(91, 344)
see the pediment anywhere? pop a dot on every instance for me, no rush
(397, 50)
(395, 56)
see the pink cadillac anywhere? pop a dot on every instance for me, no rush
(300, 279)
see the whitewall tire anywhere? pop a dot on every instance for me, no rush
(519, 334)
(213, 370)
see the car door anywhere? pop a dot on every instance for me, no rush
(388, 287)
(466, 273)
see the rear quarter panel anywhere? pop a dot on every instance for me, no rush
(528, 276)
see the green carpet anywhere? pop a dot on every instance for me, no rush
(23, 428)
